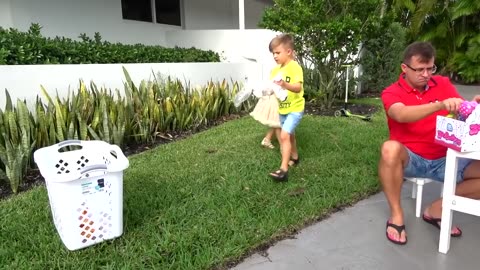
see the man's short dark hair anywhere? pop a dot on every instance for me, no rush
(424, 50)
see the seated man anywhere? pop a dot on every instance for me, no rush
(412, 104)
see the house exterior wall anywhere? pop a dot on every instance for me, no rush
(234, 46)
(211, 14)
(70, 18)
(5, 14)
(254, 12)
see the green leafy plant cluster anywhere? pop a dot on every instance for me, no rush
(141, 114)
(381, 56)
(28, 48)
(451, 26)
(327, 34)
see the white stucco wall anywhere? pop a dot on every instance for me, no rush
(61, 78)
(70, 18)
(5, 14)
(222, 14)
(211, 14)
(232, 45)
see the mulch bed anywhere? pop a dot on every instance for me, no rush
(33, 177)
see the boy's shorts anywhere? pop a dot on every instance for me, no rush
(435, 169)
(290, 121)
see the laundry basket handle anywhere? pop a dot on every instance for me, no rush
(68, 143)
(99, 167)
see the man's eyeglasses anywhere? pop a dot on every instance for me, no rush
(430, 70)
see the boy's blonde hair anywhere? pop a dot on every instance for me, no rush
(282, 39)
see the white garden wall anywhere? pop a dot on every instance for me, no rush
(232, 45)
(23, 81)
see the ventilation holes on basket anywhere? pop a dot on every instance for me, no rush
(62, 166)
(82, 162)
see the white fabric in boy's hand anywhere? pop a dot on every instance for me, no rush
(280, 93)
(267, 88)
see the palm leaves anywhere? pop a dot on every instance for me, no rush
(452, 26)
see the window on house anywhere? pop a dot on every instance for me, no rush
(157, 11)
(168, 12)
(137, 10)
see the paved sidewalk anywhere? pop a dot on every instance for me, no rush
(355, 238)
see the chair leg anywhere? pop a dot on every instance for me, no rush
(414, 190)
(418, 207)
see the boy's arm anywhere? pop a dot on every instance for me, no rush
(294, 87)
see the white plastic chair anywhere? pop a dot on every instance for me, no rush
(417, 191)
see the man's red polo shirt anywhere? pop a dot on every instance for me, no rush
(418, 136)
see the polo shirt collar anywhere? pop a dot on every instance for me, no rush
(404, 85)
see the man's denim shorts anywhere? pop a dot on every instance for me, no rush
(290, 121)
(434, 169)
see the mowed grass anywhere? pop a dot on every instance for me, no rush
(207, 201)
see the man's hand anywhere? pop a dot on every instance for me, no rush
(476, 98)
(452, 104)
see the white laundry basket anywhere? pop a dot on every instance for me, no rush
(85, 190)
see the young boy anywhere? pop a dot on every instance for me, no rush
(291, 109)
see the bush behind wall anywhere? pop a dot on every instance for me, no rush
(31, 48)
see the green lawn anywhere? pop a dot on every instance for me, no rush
(207, 200)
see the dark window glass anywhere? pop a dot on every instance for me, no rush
(138, 10)
(168, 12)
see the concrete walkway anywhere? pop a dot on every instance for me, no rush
(355, 238)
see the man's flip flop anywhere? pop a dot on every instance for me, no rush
(399, 229)
(435, 222)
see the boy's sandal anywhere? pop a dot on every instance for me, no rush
(293, 162)
(267, 144)
(279, 175)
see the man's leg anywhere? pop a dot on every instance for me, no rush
(469, 187)
(394, 157)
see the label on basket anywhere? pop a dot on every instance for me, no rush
(93, 186)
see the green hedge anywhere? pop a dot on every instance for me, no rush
(28, 48)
